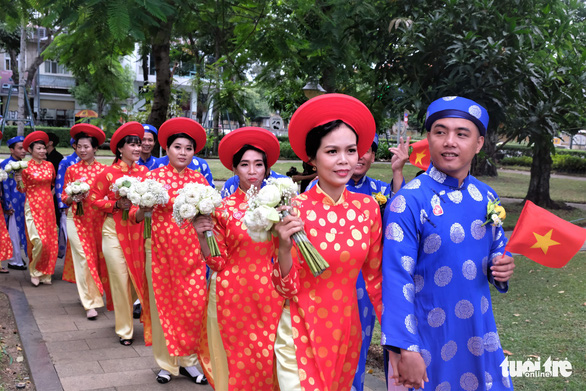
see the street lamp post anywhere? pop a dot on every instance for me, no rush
(313, 89)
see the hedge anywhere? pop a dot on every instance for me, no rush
(523, 150)
(287, 151)
(62, 133)
(560, 163)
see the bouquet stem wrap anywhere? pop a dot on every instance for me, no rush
(317, 264)
(125, 214)
(148, 224)
(212, 244)
(79, 211)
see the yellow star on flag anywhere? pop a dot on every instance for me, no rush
(419, 156)
(544, 241)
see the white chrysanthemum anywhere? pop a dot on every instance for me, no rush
(75, 189)
(134, 198)
(206, 206)
(141, 188)
(84, 187)
(187, 211)
(285, 185)
(192, 198)
(269, 196)
(261, 218)
(148, 200)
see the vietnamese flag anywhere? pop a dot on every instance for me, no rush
(420, 157)
(545, 238)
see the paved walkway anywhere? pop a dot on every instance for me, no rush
(67, 352)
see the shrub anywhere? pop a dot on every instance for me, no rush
(62, 133)
(523, 150)
(568, 163)
(560, 163)
(287, 151)
(517, 161)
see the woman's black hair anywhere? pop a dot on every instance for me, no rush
(247, 147)
(93, 140)
(31, 145)
(315, 135)
(125, 140)
(175, 136)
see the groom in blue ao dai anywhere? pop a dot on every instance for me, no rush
(439, 258)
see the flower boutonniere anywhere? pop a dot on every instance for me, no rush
(380, 198)
(382, 201)
(495, 213)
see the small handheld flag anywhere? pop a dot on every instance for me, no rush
(420, 156)
(545, 238)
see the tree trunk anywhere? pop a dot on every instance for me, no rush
(162, 92)
(101, 103)
(484, 163)
(21, 82)
(32, 71)
(538, 191)
(198, 84)
(144, 51)
(14, 65)
(329, 79)
(217, 108)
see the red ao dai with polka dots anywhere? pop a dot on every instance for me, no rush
(37, 180)
(178, 268)
(248, 305)
(130, 235)
(88, 226)
(324, 309)
(5, 243)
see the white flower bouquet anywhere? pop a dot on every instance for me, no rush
(262, 215)
(3, 175)
(78, 191)
(197, 199)
(121, 187)
(16, 167)
(147, 194)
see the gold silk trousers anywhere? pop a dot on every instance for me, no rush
(89, 294)
(164, 360)
(123, 292)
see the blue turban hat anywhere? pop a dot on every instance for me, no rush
(150, 128)
(457, 107)
(375, 143)
(14, 140)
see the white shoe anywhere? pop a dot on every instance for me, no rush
(35, 281)
(92, 314)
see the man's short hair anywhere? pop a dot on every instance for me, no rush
(54, 138)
